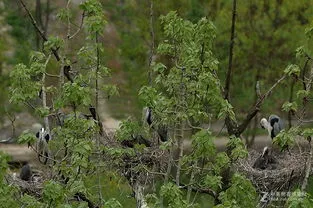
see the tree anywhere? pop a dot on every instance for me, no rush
(185, 92)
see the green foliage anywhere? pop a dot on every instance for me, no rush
(203, 146)
(23, 88)
(302, 94)
(53, 43)
(31, 202)
(74, 93)
(292, 69)
(53, 193)
(221, 161)
(95, 21)
(112, 203)
(27, 138)
(64, 14)
(238, 148)
(241, 193)
(126, 129)
(42, 112)
(214, 182)
(299, 199)
(308, 132)
(110, 90)
(5, 189)
(290, 106)
(286, 138)
(173, 195)
(4, 165)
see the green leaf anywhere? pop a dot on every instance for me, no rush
(292, 69)
(238, 149)
(213, 182)
(287, 106)
(302, 94)
(26, 138)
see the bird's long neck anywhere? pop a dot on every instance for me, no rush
(268, 127)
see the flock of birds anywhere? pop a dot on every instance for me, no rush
(273, 125)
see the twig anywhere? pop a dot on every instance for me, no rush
(80, 26)
(52, 75)
(68, 19)
(199, 190)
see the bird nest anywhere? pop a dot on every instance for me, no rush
(32, 187)
(288, 170)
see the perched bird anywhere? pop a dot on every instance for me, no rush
(43, 137)
(161, 130)
(26, 172)
(148, 116)
(274, 125)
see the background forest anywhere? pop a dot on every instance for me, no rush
(134, 58)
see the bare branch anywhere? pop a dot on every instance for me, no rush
(80, 26)
(257, 106)
(152, 42)
(42, 35)
(307, 170)
(231, 48)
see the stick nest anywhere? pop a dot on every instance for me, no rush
(288, 170)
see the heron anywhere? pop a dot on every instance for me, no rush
(161, 130)
(274, 125)
(136, 139)
(42, 145)
(265, 161)
(26, 172)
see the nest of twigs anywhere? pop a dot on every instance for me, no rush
(287, 171)
(32, 187)
(141, 167)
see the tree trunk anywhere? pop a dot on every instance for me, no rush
(139, 196)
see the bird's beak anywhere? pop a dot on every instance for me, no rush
(262, 127)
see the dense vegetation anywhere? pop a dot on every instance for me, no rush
(191, 66)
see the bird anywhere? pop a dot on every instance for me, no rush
(274, 125)
(42, 145)
(136, 139)
(265, 161)
(148, 116)
(26, 172)
(161, 130)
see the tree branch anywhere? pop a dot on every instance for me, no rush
(42, 35)
(80, 26)
(231, 48)
(199, 190)
(256, 107)
(152, 43)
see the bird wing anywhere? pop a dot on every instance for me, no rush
(276, 129)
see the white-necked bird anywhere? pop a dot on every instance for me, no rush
(274, 125)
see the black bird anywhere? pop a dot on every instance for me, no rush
(136, 139)
(26, 172)
(265, 161)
